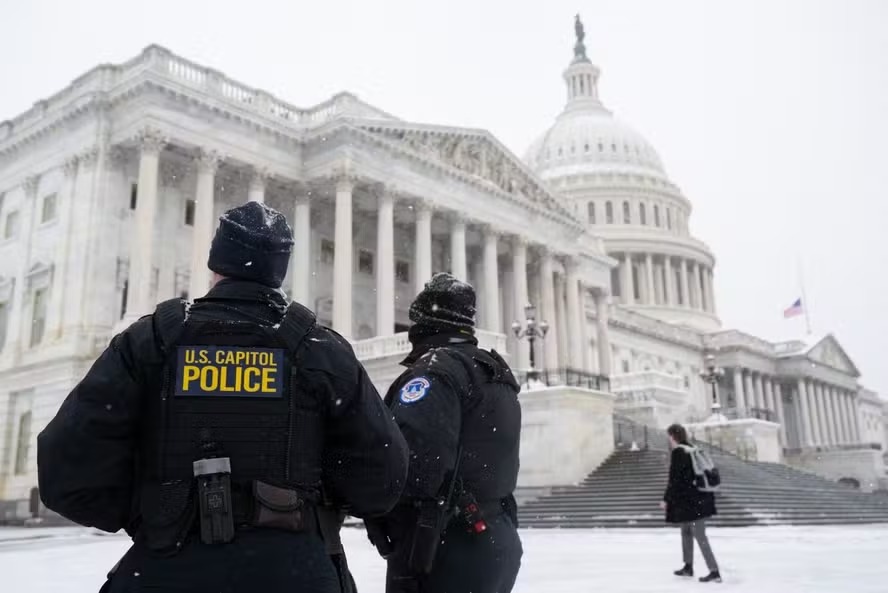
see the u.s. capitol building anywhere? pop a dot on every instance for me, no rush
(110, 191)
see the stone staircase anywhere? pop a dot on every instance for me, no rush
(625, 491)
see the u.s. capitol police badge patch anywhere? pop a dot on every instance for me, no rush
(414, 390)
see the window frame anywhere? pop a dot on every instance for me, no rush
(54, 196)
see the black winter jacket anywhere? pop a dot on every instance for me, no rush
(453, 393)
(684, 502)
(87, 454)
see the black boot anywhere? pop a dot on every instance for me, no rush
(712, 577)
(686, 571)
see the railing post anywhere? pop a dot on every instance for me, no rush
(646, 438)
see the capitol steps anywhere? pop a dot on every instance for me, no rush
(625, 492)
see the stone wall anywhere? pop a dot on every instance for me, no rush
(566, 433)
(864, 465)
(755, 440)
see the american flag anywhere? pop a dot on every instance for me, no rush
(794, 310)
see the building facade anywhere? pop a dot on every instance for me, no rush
(110, 191)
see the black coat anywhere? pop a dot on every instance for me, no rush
(684, 502)
(86, 455)
(453, 393)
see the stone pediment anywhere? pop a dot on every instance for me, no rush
(476, 154)
(829, 353)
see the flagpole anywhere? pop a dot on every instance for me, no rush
(806, 307)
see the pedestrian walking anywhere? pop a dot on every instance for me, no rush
(689, 506)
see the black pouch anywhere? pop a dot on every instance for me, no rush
(279, 508)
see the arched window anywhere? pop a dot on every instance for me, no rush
(669, 219)
(609, 213)
(656, 216)
(642, 213)
(590, 211)
(627, 215)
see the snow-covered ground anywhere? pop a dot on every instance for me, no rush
(754, 560)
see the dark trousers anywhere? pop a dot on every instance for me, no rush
(467, 562)
(696, 530)
(264, 560)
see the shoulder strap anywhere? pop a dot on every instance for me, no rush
(169, 321)
(295, 325)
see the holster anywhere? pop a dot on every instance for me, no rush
(431, 519)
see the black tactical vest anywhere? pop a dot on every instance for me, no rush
(228, 389)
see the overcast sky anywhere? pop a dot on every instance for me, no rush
(767, 113)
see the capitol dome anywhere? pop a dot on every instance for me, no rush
(614, 180)
(591, 140)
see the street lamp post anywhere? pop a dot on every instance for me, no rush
(532, 330)
(712, 374)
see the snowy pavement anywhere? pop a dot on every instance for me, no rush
(754, 560)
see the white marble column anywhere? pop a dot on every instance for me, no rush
(550, 316)
(685, 284)
(257, 185)
(739, 395)
(825, 415)
(816, 414)
(806, 423)
(855, 418)
(585, 341)
(781, 412)
(66, 197)
(710, 290)
(16, 334)
(759, 392)
(602, 311)
(520, 295)
(749, 387)
(849, 420)
(561, 323)
(697, 301)
(669, 283)
(342, 259)
(491, 281)
(769, 396)
(458, 249)
(207, 162)
(650, 297)
(142, 243)
(385, 265)
(833, 415)
(628, 288)
(423, 263)
(839, 411)
(573, 316)
(302, 277)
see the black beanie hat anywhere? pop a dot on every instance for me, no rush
(253, 242)
(445, 303)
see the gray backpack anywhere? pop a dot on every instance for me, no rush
(706, 476)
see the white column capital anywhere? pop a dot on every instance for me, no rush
(259, 177)
(489, 230)
(30, 185)
(69, 167)
(345, 184)
(207, 161)
(423, 207)
(151, 140)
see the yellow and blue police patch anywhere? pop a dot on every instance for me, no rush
(229, 371)
(414, 390)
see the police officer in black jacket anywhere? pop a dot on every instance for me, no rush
(454, 529)
(222, 435)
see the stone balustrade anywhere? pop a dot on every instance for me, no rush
(399, 345)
